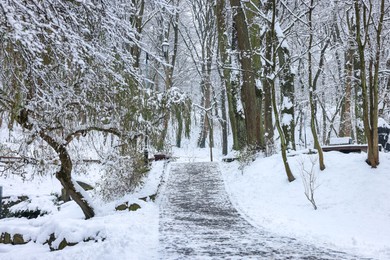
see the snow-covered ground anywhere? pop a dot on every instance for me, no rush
(352, 198)
(353, 209)
(119, 234)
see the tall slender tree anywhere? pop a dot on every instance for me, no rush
(313, 84)
(369, 24)
(169, 33)
(274, 50)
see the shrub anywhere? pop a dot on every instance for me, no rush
(121, 175)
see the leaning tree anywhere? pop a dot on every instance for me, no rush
(67, 69)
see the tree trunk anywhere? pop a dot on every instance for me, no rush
(324, 122)
(384, 111)
(370, 88)
(207, 37)
(169, 69)
(255, 41)
(312, 86)
(64, 174)
(283, 142)
(288, 98)
(248, 93)
(359, 125)
(179, 131)
(211, 136)
(224, 122)
(223, 43)
(272, 46)
(206, 92)
(267, 88)
(345, 121)
(137, 23)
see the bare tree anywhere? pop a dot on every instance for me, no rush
(309, 180)
(313, 85)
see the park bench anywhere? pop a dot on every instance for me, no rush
(160, 157)
(345, 145)
(352, 148)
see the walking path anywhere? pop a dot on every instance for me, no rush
(198, 221)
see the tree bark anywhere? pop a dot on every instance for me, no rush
(224, 122)
(288, 97)
(179, 131)
(345, 121)
(252, 9)
(267, 88)
(137, 23)
(248, 93)
(370, 88)
(206, 91)
(312, 88)
(169, 69)
(283, 141)
(64, 174)
(273, 47)
(359, 125)
(223, 46)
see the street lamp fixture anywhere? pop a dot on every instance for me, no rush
(165, 47)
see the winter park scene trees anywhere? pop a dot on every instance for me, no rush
(194, 129)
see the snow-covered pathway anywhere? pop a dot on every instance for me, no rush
(198, 221)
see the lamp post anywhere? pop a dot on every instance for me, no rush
(167, 80)
(146, 148)
(165, 47)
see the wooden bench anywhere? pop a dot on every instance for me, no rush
(160, 157)
(345, 145)
(346, 148)
(229, 159)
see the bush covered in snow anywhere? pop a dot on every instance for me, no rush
(121, 174)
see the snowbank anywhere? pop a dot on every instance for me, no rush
(352, 199)
(115, 234)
